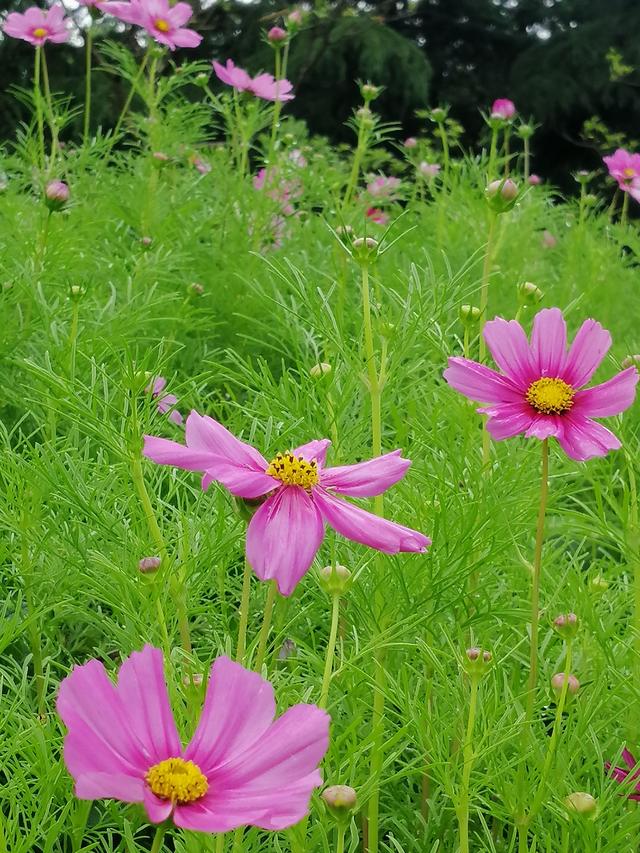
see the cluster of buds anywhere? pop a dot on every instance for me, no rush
(365, 249)
(369, 92)
(195, 679)
(501, 195)
(477, 662)
(56, 195)
(529, 293)
(566, 625)
(335, 579)
(469, 314)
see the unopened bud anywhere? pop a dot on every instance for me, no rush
(631, 361)
(548, 240)
(469, 314)
(529, 293)
(370, 92)
(566, 625)
(340, 800)
(335, 579)
(276, 35)
(56, 195)
(583, 176)
(478, 661)
(507, 189)
(76, 292)
(557, 683)
(295, 19)
(598, 585)
(149, 565)
(193, 680)
(387, 329)
(146, 241)
(410, 142)
(287, 650)
(365, 243)
(196, 289)
(438, 114)
(344, 231)
(525, 131)
(365, 116)
(201, 79)
(365, 250)
(319, 370)
(160, 158)
(534, 180)
(582, 803)
(590, 200)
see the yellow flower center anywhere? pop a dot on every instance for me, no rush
(162, 25)
(177, 780)
(39, 32)
(550, 396)
(629, 173)
(293, 470)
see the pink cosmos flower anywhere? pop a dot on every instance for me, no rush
(429, 170)
(301, 495)
(383, 187)
(163, 22)
(624, 167)
(378, 216)
(164, 402)
(503, 108)
(277, 189)
(263, 86)
(410, 142)
(241, 767)
(534, 180)
(38, 26)
(540, 391)
(622, 775)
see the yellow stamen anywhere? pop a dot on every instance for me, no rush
(177, 780)
(39, 32)
(293, 470)
(162, 25)
(550, 396)
(629, 173)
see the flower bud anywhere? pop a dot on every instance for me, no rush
(370, 92)
(149, 565)
(193, 680)
(56, 195)
(410, 142)
(196, 289)
(429, 170)
(534, 180)
(276, 36)
(529, 294)
(590, 200)
(631, 361)
(365, 116)
(469, 314)
(365, 249)
(344, 231)
(146, 242)
(340, 801)
(439, 114)
(201, 79)
(295, 19)
(387, 329)
(598, 585)
(76, 292)
(566, 624)
(557, 682)
(501, 195)
(160, 158)
(478, 661)
(246, 507)
(583, 176)
(335, 579)
(548, 240)
(582, 803)
(319, 370)
(287, 650)
(525, 131)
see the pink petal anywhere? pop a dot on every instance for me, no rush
(368, 529)
(109, 786)
(589, 347)
(186, 38)
(143, 690)
(166, 452)
(609, 398)
(157, 810)
(481, 383)
(316, 449)
(628, 759)
(176, 417)
(507, 419)
(549, 342)
(545, 426)
(366, 479)
(203, 433)
(179, 14)
(238, 709)
(283, 537)
(241, 482)
(509, 348)
(584, 438)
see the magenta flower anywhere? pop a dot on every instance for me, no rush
(374, 214)
(622, 775)
(503, 108)
(540, 391)
(534, 180)
(163, 22)
(301, 495)
(263, 86)
(38, 26)
(241, 767)
(164, 402)
(624, 167)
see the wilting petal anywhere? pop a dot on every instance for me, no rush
(481, 383)
(549, 342)
(283, 537)
(368, 529)
(166, 452)
(366, 479)
(609, 398)
(589, 347)
(316, 449)
(238, 709)
(583, 438)
(509, 347)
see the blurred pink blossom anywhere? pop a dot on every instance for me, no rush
(624, 167)
(503, 108)
(163, 22)
(38, 26)
(263, 86)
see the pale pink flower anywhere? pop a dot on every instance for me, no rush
(263, 86)
(540, 391)
(503, 108)
(429, 170)
(243, 766)
(548, 240)
(163, 22)
(38, 26)
(301, 496)
(297, 157)
(383, 187)
(374, 214)
(277, 189)
(534, 180)
(276, 35)
(164, 402)
(410, 142)
(201, 165)
(624, 167)
(57, 191)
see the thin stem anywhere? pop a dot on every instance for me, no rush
(266, 625)
(35, 637)
(445, 151)
(523, 832)
(132, 91)
(220, 840)
(237, 840)
(276, 109)
(241, 644)
(331, 648)
(52, 118)
(493, 151)
(484, 304)
(87, 82)
(355, 168)
(73, 337)
(614, 203)
(156, 847)
(527, 158)
(507, 154)
(535, 586)
(340, 841)
(625, 210)
(633, 542)
(37, 97)
(468, 753)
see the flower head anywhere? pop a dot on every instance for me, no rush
(374, 214)
(624, 167)
(300, 495)
(410, 142)
(241, 767)
(164, 402)
(38, 26)
(56, 194)
(263, 86)
(429, 170)
(276, 35)
(162, 21)
(540, 391)
(383, 187)
(628, 774)
(534, 180)
(503, 108)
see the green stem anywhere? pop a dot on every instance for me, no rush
(220, 843)
(87, 82)
(535, 585)
(355, 168)
(445, 152)
(52, 118)
(127, 103)
(341, 834)
(237, 840)
(73, 337)
(35, 636)
(266, 625)
(527, 158)
(156, 847)
(507, 140)
(331, 648)
(493, 151)
(468, 753)
(241, 645)
(484, 305)
(614, 203)
(523, 832)
(37, 98)
(625, 210)
(582, 207)
(276, 110)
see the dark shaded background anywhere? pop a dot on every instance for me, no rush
(549, 56)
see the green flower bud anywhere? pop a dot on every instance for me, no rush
(525, 131)
(566, 625)
(477, 661)
(439, 114)
(341, 801)
(501, 195)
(370, 92)
(529, 294)
(469, 314)
(335, 579)
(583, 804)
(319, 370)
(598, 585)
